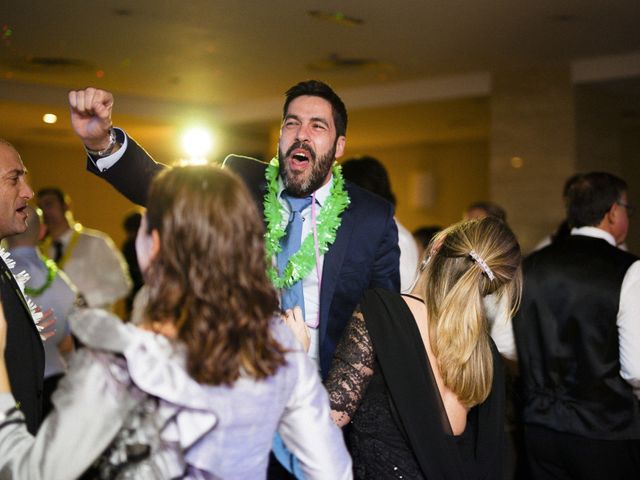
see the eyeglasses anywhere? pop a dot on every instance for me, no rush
(630, 209)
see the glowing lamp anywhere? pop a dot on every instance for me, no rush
(49, 118)
(197, 142)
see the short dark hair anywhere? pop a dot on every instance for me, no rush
(56, 192)
(424, 235)
(492, 209)
(591, 196)
(370, 174)
(316, 88)
(569, 182)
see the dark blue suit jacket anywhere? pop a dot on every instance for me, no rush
(364, 255)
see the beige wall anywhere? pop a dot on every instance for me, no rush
(532, 119)
(608, 139)
(458, 173)
(630, 154)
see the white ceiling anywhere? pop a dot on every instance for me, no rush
(227, 63)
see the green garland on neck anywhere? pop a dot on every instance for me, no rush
(302, 262)
(51, 274)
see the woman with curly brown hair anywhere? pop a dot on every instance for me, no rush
(200, 389)
(418, 376)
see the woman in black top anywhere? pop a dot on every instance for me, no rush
(417, 376)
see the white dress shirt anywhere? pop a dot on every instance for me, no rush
(105, 163)
(96, 267)
(408, 258)
(501, 326)
(628, 319)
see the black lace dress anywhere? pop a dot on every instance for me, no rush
(382, 380)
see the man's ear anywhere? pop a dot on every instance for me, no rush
(340, 144)
(612, 213)
(608, 219)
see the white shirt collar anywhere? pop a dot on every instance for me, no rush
(594, 232)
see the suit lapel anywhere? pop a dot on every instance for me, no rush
(332, 265)
(8, 277)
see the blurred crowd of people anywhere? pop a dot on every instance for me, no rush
(278, 321)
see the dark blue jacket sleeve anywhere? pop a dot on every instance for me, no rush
(132, 174)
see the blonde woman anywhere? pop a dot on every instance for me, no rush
(418, 376)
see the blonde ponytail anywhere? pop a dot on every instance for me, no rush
(455, 283)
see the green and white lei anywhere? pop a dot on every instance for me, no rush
(21, 279)
(327, 223)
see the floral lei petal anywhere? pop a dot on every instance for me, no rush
(302, 262)
(21, 279)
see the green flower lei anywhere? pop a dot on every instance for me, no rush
(51, 274)
(327, 223)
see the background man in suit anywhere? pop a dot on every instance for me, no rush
(24, 353)
(365, 251)
(578, 341)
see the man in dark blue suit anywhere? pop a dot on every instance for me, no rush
(331, 273)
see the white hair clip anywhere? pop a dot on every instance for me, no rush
(483, 265)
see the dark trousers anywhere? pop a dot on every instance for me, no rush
(563, 456)
(275, 471)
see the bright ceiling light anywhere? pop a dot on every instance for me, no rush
(49, 118)
(197, 142)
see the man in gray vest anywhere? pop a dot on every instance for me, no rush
(578, 340)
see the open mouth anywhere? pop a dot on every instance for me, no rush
(300, 159)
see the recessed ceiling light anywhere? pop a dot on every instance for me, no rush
(517, 162)
(49, 118)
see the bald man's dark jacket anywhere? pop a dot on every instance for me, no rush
(365, 253)
(24, 353)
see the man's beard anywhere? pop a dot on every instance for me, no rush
(296, 184)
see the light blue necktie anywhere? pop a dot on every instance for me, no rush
(293, 295)
(290, 298)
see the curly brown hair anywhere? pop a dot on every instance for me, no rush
(209, 277)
